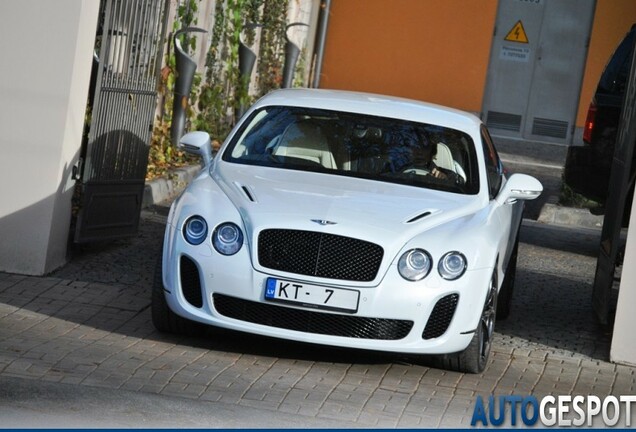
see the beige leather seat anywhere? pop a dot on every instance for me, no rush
(306, 140)
(444, 159)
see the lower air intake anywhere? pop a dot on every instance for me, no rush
(311, 322)
(441, 316)
(191, 282)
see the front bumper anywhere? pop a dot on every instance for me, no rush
(432, 316)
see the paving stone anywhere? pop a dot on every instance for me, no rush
(260, 404)
(409, 421)
(322, 377)
(365, 375)
(275, 383)
(8, 280)
(174, 389)
(73, 379)
(350, 395)
(151, 388)
(454, 421)
(401, 378)
(377, 420)
(386, 402)
(52, 378)
(338, 411)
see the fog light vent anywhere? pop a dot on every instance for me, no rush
(441, 317)
(191, 282)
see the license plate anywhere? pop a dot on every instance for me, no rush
(314, 296)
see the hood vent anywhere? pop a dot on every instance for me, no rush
(247, 192)
(418, 217)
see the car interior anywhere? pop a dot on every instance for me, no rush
(305, 140)
(357, 145)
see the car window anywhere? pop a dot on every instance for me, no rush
(494, 167)
(358, 145)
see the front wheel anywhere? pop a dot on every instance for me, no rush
(475, 357)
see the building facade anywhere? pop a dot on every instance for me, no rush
(527, 67)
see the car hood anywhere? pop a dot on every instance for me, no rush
(387, 214)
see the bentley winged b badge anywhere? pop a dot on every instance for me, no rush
(323, 222)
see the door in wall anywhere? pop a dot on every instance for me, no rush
(536, 68)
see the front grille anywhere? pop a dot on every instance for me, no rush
(441, 317)
(318, 254)
(191, 282)
(312, 322)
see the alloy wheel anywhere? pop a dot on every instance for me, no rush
(487, 321)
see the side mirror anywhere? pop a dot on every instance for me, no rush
(197, 143)
(520, 187)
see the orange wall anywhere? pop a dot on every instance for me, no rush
(612, 19)
(438, 50)
(432, 50)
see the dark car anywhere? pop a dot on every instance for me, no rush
(587, 167)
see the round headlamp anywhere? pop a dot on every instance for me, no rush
(195, 230)
(414, 264)
(227, 238)
(452, 265)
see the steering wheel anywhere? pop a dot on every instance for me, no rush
(417, 171)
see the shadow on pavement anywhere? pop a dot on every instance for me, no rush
(580, 241)
(555, 313)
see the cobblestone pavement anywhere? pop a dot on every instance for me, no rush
(89, 324)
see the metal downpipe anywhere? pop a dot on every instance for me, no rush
(323, 21)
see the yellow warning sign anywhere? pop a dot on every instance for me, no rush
(517, 33)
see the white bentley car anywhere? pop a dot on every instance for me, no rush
(351, 220)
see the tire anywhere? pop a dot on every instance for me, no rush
(504, 301)
(475, 357)
(163, 318)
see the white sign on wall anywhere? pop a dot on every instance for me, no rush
(514, 53)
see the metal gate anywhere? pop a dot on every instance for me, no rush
(536, 67)
(114, 161)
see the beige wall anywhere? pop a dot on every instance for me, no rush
(46, 58)
(623, 349)
(433, 50)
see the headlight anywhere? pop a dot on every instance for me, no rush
(227, 238)
(452, 265)
(195, 230)
(414, 264)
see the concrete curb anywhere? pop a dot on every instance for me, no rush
(554, 214)
(162, 189)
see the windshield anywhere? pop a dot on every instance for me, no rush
(357, 145)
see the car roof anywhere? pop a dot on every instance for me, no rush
(372, 104)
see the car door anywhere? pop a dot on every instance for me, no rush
(504, 218)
